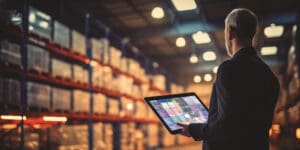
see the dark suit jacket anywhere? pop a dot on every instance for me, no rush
(242, 105)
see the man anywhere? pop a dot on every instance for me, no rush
(244, 93)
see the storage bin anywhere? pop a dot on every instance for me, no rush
(38, 95)
(78, 43)
(61, 34)
(61, 99)
(38, 58)
(10, 52)
(61, 69)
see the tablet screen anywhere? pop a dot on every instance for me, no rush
(173, 109)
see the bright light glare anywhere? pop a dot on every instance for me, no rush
(12, 117)
(157, 13)
(298, 133)
(55, 119)
(197, 78)
(31, 18)
(193, 59)
(201, 37)
(207, 77)
(215, 69)
(155, 64)
(209, 56)
(294, 28)
(93, 63)
(273, 31)
(180, 42)
(44, 24)
(276, 128)
(129, 106)
(268, 50)
(183, 5)
(31, 28)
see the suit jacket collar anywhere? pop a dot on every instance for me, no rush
(249, 50)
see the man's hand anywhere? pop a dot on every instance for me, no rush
(185, 128)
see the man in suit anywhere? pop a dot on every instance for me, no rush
(243, 96)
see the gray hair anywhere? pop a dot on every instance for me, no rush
(243, 21)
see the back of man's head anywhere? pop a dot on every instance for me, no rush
(243, 22)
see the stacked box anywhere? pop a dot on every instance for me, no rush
(145, 90)
(139, 139)
(107, 77)
(134, 68)
(81, 101)
(38, 95)
(61, 68)
(128, 139)
(10, 52)
(152, 134)
(38, 58)
(124, 64)
(115, 57)
(124, 84)
(96, 49)
(31, 141)
(80, 74)
(78, 42)
(61, 34)
(159, 81)
(136, 91)
(113, 106)
(98, 139)
(140, 110)
(99, 103)
(61, 99)
(10, 91)
(127, 106)
(98, 76)
(105, 50)
(39, 23)
(108, 136)
(176, 88)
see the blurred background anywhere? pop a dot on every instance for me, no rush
(73, 73)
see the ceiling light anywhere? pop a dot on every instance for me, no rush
(207, 77)
(201, 37)
(31, 28)
(209, 56)
(129, 106)
(180, 42)
(298, 133)
(268, 50)
(215, 69)
(183, 5)
(12, 117)
(273, 31)
(32, 18)
(44, 24)
(294, 28)
(93, 63)
(55, 118)
(197, 78)
(193, 59)
(155, 64)
(157, 13)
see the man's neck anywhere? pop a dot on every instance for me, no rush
(239, 45)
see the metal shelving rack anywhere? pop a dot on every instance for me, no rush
(34, 118)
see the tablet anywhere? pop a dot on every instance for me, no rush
(170, 109)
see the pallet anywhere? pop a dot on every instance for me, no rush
(37, 109)
(10, 65)
(62, 78)
(61, 111)
(38, 72)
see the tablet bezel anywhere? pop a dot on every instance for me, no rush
(148, 99)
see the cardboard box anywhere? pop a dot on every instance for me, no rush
(96, 49)
(81, 101)
(61, 99)
(61, 34)
(61, 68)
(10, 91)
(10, 52)
(38, 95)
(80, 74)
(98, 76)
(115, 57)
(99, 103)
(113, 106)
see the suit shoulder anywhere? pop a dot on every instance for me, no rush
(227, 65)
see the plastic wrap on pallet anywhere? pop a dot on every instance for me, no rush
(10, 52)
(39, 23)
(61, 99)
(10, 91)
(115, 57)
(105, 50)
(81, 101)
(96, 49)
(61, 68)
(80, 74)
(99, 103)
(38, 58)
(113, 106)
(78, 42)
(38, 95)
(61, 34)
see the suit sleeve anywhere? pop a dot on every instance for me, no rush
(224, 88)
